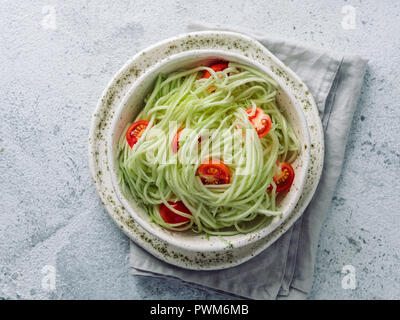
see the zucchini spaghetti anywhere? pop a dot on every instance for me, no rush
(210, 151)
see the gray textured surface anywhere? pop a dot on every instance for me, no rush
(51, 80)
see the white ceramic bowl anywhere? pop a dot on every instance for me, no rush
(132, 104)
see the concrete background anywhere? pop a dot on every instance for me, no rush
(51, 80)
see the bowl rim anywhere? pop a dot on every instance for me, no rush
(248, 238)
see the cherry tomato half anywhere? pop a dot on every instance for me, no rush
(171, 217)
(214, 172)
(283, 179)
(135, 131)
(211, 89)
(216, 67)
(260, 121)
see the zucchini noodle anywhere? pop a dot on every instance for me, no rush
(212, 113)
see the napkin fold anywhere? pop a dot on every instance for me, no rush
(285, 270)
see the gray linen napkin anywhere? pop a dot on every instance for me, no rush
(285, 270)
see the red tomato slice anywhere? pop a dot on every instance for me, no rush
(216, 67)
(214, 172)
(283, 179)
(260, 121)
(211, 89)
(135, 131)
(175, 141)
(171, 217)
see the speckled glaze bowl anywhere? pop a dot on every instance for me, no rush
(110, 101)
(131, 105)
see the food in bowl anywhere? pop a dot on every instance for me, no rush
(210, 151)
